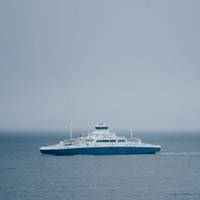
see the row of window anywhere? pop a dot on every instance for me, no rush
(110, 140)
(121, 140)
(105, 140)
(89, 140)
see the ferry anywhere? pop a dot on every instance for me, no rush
(101, 141)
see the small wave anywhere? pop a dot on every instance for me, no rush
(179, 153)
(181, 194)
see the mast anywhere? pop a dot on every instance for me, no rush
(131, 132)
(70, 126)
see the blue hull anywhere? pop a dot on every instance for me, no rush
(103, 151)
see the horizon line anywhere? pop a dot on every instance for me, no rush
(90, 130)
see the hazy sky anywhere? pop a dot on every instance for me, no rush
(117, 61)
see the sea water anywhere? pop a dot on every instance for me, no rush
(25, 173)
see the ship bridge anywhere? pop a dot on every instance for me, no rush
(101, 126)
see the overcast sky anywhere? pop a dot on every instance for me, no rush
(117, 61)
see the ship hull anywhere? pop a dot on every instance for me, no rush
(102, 151)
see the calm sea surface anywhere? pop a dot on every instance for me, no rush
(174, 173)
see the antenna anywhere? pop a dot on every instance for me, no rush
(70, 124)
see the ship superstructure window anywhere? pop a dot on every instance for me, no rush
(121, 140)
(102, 141)
(89, 140)
(101, 127)
(105, 140)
